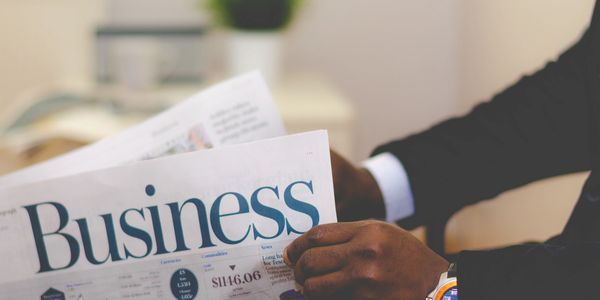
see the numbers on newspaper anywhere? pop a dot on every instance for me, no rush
(203, 226)
(184, 285)
(235, 280)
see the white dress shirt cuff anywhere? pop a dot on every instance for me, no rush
(393, 182)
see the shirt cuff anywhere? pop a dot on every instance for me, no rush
(390, 175)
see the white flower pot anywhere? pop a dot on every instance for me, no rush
(250, 51)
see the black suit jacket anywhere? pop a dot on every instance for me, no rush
(545, 125)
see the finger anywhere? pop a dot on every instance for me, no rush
(330, 286)
(323, 235)
(319, 261)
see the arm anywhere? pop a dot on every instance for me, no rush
(540, 127)
(376, 260)
(532, 271)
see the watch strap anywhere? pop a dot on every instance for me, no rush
(452, 270)
(447, 281)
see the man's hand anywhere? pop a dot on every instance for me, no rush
(356, 192)
(363, 260)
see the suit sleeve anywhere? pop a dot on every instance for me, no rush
(537, 128)
(530, 271)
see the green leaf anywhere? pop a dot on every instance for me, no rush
(253, 14)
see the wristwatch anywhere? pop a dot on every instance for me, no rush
(447, 288)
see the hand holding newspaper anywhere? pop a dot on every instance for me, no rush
(203, 225)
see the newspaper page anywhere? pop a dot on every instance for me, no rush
(236, 111)
(203, 225)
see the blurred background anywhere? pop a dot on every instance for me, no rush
(72, 72)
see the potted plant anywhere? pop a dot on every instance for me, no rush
(255, 39)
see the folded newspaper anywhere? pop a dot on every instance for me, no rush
(236, 111)
(113, 221)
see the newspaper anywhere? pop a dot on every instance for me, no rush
(204, 225)
(236, 111)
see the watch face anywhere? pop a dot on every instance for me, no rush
(451, 294)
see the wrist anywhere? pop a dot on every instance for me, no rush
(369, 190)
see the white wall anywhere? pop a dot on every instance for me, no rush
(405, 65)
(499, 42)
(45, 42)
(502, 40)
(397, 60)
(153, 12)
(408, 64)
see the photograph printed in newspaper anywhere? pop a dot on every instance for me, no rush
(235, 111)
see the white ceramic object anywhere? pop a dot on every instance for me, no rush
(250, 51)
